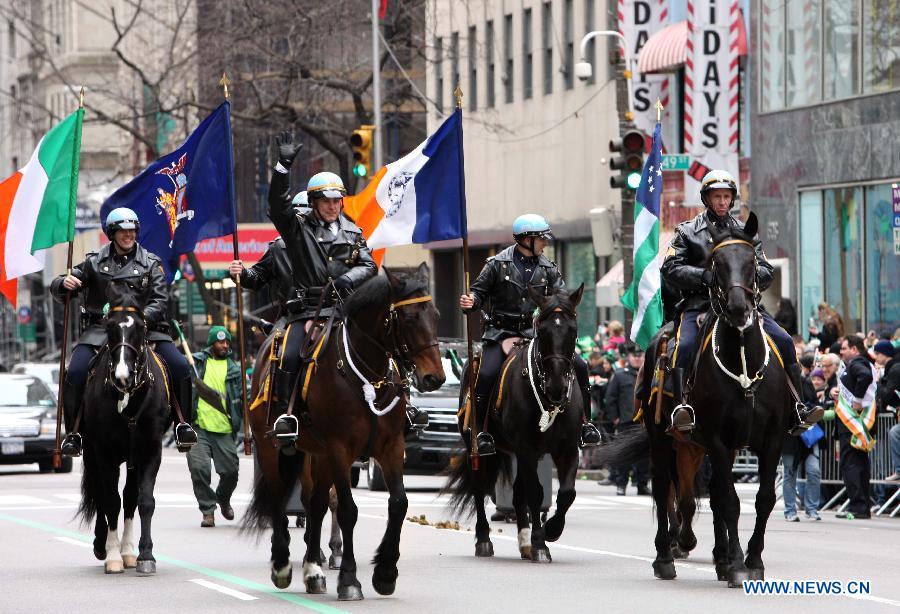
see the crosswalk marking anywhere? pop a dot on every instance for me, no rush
(224, 589)
(20, 500)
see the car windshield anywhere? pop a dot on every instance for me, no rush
(26, 392)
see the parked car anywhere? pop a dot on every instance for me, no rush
(28, 423)
(428, 451)
(47, 372)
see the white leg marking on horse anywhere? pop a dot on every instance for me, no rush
(127, 543)
(122, 368)
(312, 570)
(284, 571)
(524, 538)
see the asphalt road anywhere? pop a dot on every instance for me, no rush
(601, 563)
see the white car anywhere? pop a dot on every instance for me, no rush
(47, 372)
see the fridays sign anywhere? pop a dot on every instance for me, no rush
(638, 21)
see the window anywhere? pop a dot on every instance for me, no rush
(591, 52)
(843, 253)
(489, 52)
(771, 71)
(569, 49)
(812, 256)
(841, 48)
(508, 58)
(454, 63)
(439, 75)
(547, 45)
(882, 265)
(881, 40)
(527, 54)
(804, 53)
(11, 38)
(473, 68)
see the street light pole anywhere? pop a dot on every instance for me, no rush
(376, 89)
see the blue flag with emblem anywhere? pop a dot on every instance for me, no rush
(185, 196)
(643, 297)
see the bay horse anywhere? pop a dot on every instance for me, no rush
(536, 409)
(733, 351)
(386, 338)
(124, 418)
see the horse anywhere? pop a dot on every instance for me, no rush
(124, 418)
(386, 339)
(740, 399)
(537, 410)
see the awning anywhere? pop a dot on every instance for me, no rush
(609, 286)
(666, 51)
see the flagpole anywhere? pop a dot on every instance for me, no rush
(224, 82)
(470, 346)
(63, 346)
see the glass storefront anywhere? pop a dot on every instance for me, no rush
(882, 265)
(812, 255)
(843, 254)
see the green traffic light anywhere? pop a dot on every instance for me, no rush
(359, 170)
(634, 180)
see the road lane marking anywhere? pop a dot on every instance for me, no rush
(222, 576)
(20, 500)
(74, 542)
(224, 590)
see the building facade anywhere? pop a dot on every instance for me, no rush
(825, 133)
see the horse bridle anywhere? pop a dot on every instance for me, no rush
(405, 355)
(718, 296)
(540, 359)
(140, 361)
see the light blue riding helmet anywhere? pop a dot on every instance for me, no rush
(121, 218)
(300, 199)
(531, 225)
(326, 185)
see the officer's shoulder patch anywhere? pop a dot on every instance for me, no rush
(670, 251)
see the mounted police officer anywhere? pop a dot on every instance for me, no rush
(684, 269)
(501, 293)
(123, 259)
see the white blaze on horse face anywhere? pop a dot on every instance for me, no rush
(122, 368)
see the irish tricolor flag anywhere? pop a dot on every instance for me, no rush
(37, 204)
(643, 296)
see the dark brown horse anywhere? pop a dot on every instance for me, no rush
(386, 338)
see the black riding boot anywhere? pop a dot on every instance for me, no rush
(287, 428)
(418, 419)
(683, 414)
(185, 435)
(590, 436)
(802, 417)
(484, 441)
(73, 395)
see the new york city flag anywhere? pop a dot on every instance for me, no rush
(185, 196)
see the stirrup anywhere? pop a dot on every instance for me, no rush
(286, 428)
(185, 436)
(590, 436)
(418, 419)
(682, 418)
(484, 443)
(71, 445)
(806, 418)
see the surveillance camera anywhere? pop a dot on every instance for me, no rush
(583, 70)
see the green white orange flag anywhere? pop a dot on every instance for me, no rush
(37, 204)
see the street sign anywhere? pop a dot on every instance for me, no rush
(675, 162)
(24, 314)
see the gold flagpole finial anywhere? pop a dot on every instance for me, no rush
(81, 98)
(459, 94)
(659, 110)
(225, 82)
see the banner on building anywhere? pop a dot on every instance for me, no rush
(712, 92)
(638, 21)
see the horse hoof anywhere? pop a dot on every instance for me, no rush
(722, 572)
(737, 577)
(146, 567)
(352, 592)
(283, 579)
(113, 567)
(679, 553)
(129, 560)
(541, 555)
(757, 573)
(525, 552)
(664, 570)
(100, 553)
(553, 529)
(484, 549)
(382, 587)
(315, 585)
(334, 562)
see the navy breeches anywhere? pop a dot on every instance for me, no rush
(178, 365)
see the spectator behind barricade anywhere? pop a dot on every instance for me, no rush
(807, 362)
(832, 326)
(799, 458)
(620, 412)
(888, 397)
(616, 335)
(786, 316)
(599, 372)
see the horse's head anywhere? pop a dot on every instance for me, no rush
(556, 331)
(412, 322)
(126, 333)
(735, 292)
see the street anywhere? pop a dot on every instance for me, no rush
(602, 561)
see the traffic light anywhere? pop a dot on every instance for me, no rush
(631, 161)
(361, 142)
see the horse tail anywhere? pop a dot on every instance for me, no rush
(463, 484)
(264, 503)
(90, 491)
(627, 448)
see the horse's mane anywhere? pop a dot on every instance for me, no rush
(374, 292)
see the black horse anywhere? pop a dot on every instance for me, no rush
(537, 410)
(741, 399)
(125, 414)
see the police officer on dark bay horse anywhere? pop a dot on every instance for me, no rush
(328, 257)
(684, 269)
(123, 259)
(501, 292)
